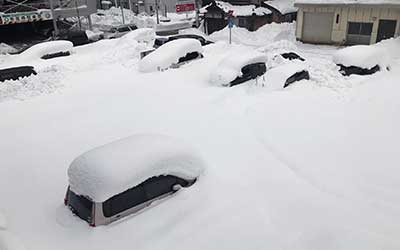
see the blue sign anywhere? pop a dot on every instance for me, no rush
(230, 23)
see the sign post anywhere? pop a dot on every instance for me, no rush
(230, 25)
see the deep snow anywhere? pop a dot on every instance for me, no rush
(314, 166)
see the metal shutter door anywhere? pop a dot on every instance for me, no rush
(317, 27)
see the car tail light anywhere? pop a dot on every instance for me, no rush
(92, 224)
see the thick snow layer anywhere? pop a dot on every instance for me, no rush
(168, 54)
(9, 241)
(363, 56)
(6, 49)
(115, 167)
(276, 77)
(283, 6)
(243, 10)
(312, 167)
(45, 48)
(145, 35)
(374, 2)
(230, 67)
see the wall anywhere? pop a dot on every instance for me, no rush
(351, 14)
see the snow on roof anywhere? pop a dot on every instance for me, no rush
(363, 56)
(345, 2)
(276, 77)
(115, 167)
(243, 10)
(283, 6)
(168, 54)
(45, 48)
(230, 67)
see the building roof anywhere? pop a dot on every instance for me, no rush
(283, 6)
(349, 2)
(243, 10)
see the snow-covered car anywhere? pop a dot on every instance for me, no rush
(237, 68)
(128, 175)
(285, 74)
(292, 56)
(118, 31)
(361, 60)
(165, 39)
(16, 72)
(172, 55)
(47, 50)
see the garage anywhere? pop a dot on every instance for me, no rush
(317, 27)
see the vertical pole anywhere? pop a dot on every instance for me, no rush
(90, 22)
(196, 2)
(130, 5)
(158, 19)
(122, 11)
(56, 32)
(230, 35)
(77, 13)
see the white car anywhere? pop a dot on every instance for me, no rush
(285, 74)
(172, 55)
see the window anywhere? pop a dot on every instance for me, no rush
(148, 190)
(242, 22)
(123, 201)
(337, 18)
(80, 205)
(151, 8)
(360, 28)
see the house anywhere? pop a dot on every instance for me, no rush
(347, 22)
(282, 10)
(249, 16)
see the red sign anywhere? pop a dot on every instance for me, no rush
(185, 7)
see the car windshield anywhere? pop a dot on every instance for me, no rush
(80, 205)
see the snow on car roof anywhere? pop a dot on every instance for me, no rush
(363, 56)
(276, 77)
(168, 54)
(231, 65)
(283, 6)
(45, 48)
(243, 10)
(115, 167)
(373, 2)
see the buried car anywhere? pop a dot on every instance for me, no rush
(47, 50)
(239, 68)
(128, 175)
(361, 60)
(165, 39)
(171, 55)
(16, 72)
(285, 74)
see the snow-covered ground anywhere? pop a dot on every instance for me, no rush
(310, 167)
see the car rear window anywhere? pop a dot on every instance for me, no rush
(80, 205)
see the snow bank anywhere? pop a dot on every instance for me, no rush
(45, 48)
(283, 6)
(6, 49)
(45, 82)
(363, 56)
(9, 241)
(243, 10)
(276, 77)
(115, 167)
(230, 67)
(145, 35)
(168, 54)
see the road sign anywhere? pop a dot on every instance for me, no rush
(185, 7)
(25, 17)
(230, 23)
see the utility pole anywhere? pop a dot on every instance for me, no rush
(122, 11)
(56, 32)
(158, 19)
(196, 2)
(77, 13)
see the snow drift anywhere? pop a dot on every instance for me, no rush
(115, 167)
(168, 54)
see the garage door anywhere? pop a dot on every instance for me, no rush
(317, 27)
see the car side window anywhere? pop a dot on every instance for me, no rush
(123, 201)
(157, 186)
